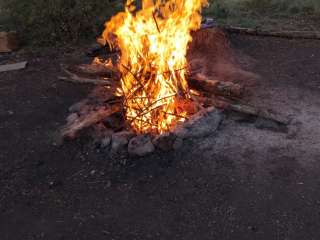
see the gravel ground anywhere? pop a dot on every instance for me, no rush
(240, 183)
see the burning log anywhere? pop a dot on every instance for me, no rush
(226, 89)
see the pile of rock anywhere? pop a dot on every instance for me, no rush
(202, 124)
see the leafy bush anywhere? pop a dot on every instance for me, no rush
(54, 21)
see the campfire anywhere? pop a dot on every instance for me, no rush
(158, 83)
(153, 65)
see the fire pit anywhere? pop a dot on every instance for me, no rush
(158, 85)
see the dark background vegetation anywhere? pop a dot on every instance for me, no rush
(56, 21)
(268, 14)
(46, 22)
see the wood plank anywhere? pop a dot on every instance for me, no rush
(13, 67)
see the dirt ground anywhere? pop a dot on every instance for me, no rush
(240, 183)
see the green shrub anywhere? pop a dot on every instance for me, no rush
(57, 21)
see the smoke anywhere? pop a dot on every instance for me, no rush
(211, 55)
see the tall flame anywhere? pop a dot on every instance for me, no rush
(153, 41)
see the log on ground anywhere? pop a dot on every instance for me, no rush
(226, 89)
(71, 129)
(280, 34)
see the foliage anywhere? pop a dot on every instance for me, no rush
(47, 22)
(225, 8)
(269, 14)
(54, 21)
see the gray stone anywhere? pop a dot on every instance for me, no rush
(181, 131)
(178, 143)
(140, 146)
(72, 117)
(201, 124)
(78, 106)
(120, 140)
(164, 141)
(105, 142)
(102, 135)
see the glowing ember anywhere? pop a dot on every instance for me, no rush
(153, 42)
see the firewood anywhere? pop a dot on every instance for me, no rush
(95, 70)
(77, 79)
(281, 34)
(257, 112)
(72, 128)
(227, 89)
(228, 105)
(211, 101)
(13, 66)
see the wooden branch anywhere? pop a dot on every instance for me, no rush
(155, 20)
(242, 108)
(77, 79)
(211, 101)
(13, 66)
(80, 80)
(226, 89)
(280, 34)
(96, 69)
(254, 111)
(71, 129)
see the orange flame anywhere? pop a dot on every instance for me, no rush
(153, 42)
